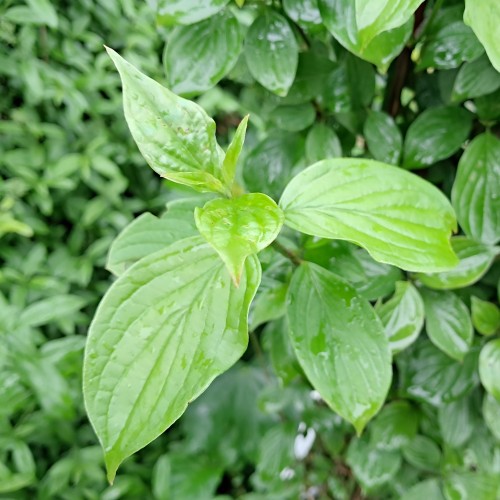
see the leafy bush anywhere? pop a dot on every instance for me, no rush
(358, 300)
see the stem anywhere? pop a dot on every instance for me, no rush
(435, 9)
(287, 253)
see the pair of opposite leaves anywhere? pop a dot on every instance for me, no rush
(184, 288)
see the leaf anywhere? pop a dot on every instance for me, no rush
(233, 152)
(491, 414)
(475, 79)
(239, 227)
(468, 485)
(395, 426)
(373, 17)
(272, 53)
(51, 309)
(435, 135)
(451, 45)
(428, 489)
(340, 343)
(148, 234)
(399, 218)
(171, 12)
(269, 166)
(198, 56)
(269, 304)
(322, 143)
(475, 259)
(383, 137)
(448, 323)
(423, 453)
(485, 316)
(483, 17)
(489, 367)
(294, 118)
(175, 136)
(456, 422)
(402, 316)
(339, 17)
(476, 190)
(303, 12)
(165, 329)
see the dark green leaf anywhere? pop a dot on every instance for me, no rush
(456, 422)
(340, 343)
(322, 143)
(294, 118)
(475, 79)
(374, 205)
(304, 12)
(468, 485)
(383, 137)
(423, 453)
(435, 135)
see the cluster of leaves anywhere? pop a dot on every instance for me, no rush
(395, 336)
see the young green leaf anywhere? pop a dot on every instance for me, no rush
(484, 17)
(198, 56)
(322, 143)
(489, 367)
(448, 323)
(475, 260)
(428, 489)
(435, 135)
(398, 217)
(165, 329)
(175, 136)
(172, 12)
(383, 137)
(340, 343)
(233, 152)
(402, 316)
(476, 190)
(485, 316)
(272, 52)
(239, 227)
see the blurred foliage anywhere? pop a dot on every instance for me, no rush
(71, 179)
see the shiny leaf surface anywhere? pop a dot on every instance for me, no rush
(383, 137)
(489, 367)
(322, 143)
(485, 316)
(171, 12)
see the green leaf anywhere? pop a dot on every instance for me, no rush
(475, 79)
(471, 485)
(197, 57)
(475, 260)
(485, 316)
(171, 12)
(165, 329)
(372, 467)
(428, 489)
(476, 190)
(303, 12)
(376, 16)
(175, 136)
(402, 316)
(340, 343)
(269, 304)
(423, 453)
(383, 137)
(233, 152)
(435, 135)
(395, 426)
(51, 309)
(398, 217)
(456, 422)
(239, 227)
(448, 323)
(294, 118)
(270, 165)
(146, 235)
(322, 143)
(491, 414)
(339, 17)
(272, 52)
(489, 367)
(447, 48)
(484, 17)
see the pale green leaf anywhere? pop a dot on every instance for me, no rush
(233, 152)
(402, 316)
(471, 486)
(474, 260)
(435, 135)
(483, 16)
(456, 422)
(485, 316)
(489, 367)
(476, 191)
(491, 414)
(239, 227)
(340, 343)
(175, 136)
(448, 323)
(171, 12)
(398, 217)
(272, 52)
(165, 329)
(428, 489)
(197, 57)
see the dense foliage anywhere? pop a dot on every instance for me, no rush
(410, 354)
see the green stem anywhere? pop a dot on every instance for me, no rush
(293, 257)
